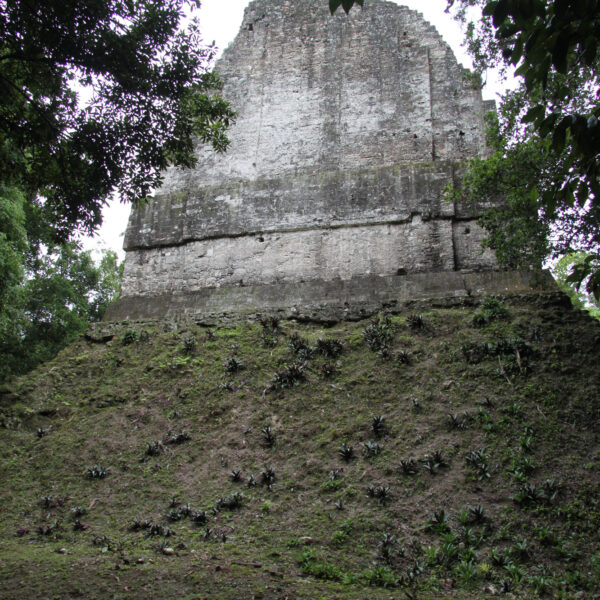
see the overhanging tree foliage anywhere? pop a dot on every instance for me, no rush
(97, 96)
(554, 48)
(148, 93)
(345, 4)
(562, 271)
(53, 304)
(48, 292)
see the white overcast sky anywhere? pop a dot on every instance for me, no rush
(220, 21)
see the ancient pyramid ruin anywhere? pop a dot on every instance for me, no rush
(329, 202)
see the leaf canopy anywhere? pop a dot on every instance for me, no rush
(101, 96)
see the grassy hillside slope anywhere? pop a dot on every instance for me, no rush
(449, 452)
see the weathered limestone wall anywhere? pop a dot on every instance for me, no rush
(348, 129)
(330, 300)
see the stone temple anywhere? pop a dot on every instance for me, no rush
(329, 202)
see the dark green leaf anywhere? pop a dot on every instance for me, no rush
(523, 70)
(583, 192)
(593, 284)
(559, 135)
(524, 9)
(500, 12)
(489, 8)
(561, 7)
(334, 5)
(540, 8)
(517, 52)
(534, 114)
(559, 52)
(533, 194)
(590, 50)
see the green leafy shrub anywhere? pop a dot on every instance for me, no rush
(173, 438)
(415, 322)
(492, 310)
(378, 425)
(129, 337)
(409, 466)
(300, 348)
(288, 377)
(233, 365)
(378, 335)
(270, 331)
(268, 436)
(329, 347)
(372, 449)
(438, 522)
(188, 344)
(311, 565)
(346, 452)
(96, 472)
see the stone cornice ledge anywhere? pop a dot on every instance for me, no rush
(326, 301)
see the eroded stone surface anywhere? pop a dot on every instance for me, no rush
(348, 129)
(332, 300)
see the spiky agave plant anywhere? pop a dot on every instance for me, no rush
(233, 365)
(78, 511)
(96, 472)
(188, 344)
(433, 462)
(409, 466)
(387, 547)
(415, 321)
(140, 524)
(300, 347)
(438, 521)
(328, 369)
(156, 529)
(270, 331)
(199, 517)
(378, 425)
(268, 476)
(329, 347)
(268, 436)
(79, 526)
(346, 452)
(289, 376)
(155, 448)
(175, 514)
(51, 501)
(372, 449)
(403, 357)
(438, 456)
(459, 422)
(381, 492)
(173, 438)
(477, 514)
(230, 502)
